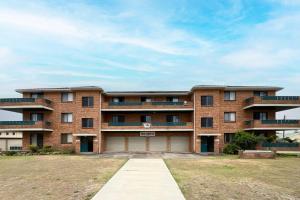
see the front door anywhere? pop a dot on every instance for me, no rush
(207, 144)
(37, 139)
(204, 144)
(86, 144)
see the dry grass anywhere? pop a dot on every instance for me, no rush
(54, 177)
(231, 178)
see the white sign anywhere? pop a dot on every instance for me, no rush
(147, 134)
(147, 125)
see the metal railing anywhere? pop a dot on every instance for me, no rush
(280, 98)
(127, 103)
(136, 103)
(141, 123)
(13, 123)
(17, 100)
(169, 103)
(284, 121)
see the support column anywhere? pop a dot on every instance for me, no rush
(216, 145)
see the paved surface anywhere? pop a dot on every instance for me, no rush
(149, 155)
(141, 179)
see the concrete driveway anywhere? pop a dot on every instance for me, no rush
(141, 179)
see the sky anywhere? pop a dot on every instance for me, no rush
(149, 45)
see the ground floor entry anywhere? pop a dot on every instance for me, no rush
(86, 144)
(153, 143)
(207, 144)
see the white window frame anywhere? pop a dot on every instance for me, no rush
(69, 97)
(229, 116)
(67, 117)
(232, 96)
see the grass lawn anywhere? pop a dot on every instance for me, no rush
(54, 177)
(227, 177)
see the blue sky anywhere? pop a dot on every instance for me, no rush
(149, 45)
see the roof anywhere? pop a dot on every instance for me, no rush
(62, 89)
(224, 87)
(128, 93)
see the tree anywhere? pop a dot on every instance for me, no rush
(246, 140)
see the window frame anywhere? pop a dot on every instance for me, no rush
(230, 136)
(89, 100)
(259, 93)
(37, 118)
(66, 139)
(207, 122)
(62, 118)
(229, 121)
(205, 99)
(230, 92)
(88, 119)
(68, 99)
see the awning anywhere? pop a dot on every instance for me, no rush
(85, 134)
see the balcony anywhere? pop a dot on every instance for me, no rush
(25, 126)
(272, 124)
(154, 126)
(277, 103)
(20, 104)
(147, 106)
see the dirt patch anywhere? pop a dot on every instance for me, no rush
(232, 178)
(54, 177)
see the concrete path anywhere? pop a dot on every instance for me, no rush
(141, 179)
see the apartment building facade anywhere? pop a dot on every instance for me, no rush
(92, 120)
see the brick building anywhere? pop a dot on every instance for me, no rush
(89, 119)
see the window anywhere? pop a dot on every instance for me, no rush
(229, 116)
(87, 122)
(118, 119)
(228, 137)
(66, 138)
(172, 118)
(36, 117)
(172, 99)
(66, 97)
(260, 115)
(117, 99)
(37, 95)
(229, 96)
(146, 118)
(206, 122)
(206, 100)
(66, 117)
(87, 101)
(260, 93)
(145, 99)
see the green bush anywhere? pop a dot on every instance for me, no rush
(231, 149)
(68, 151)
(10, 153)
(246, 140)
(33, 148)
(46, 149)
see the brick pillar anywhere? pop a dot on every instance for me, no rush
(26, 141)
(216, 145)
(198, 144)
(95, 145)
(77, 145)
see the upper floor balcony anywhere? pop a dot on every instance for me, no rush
(153, 126)
(277, 103)
(286, 124)
(147, 106)
(25, 126)
(20, 104)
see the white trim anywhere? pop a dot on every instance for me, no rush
(26, 106)
(147, 109)
(209, 134)
(27, 129)
(274, 105)
(85, 134)
(272, 128)
(120, 130)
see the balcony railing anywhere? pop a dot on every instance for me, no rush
(147, 105)
(25, 125)
(152, 125)
(272, 101)
(273, 124)
(279, 144)
(17, 103)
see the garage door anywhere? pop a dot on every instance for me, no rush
(115, 144)
(180, 144)
(136, 144)
(2, 144)
(158, 143)
(14, 143)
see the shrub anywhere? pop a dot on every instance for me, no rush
(246, 140)
(46, 149)
(231, 149)
(10, 153)
(68, 151)
(33, 148)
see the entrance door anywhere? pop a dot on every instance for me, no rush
(86, 144)
(37, 139)
(207, 144)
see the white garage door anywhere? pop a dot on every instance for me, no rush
(2, 144)
(115, 144)
(14, 143)
(158, 143)
(136, 144)
(180, 144)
